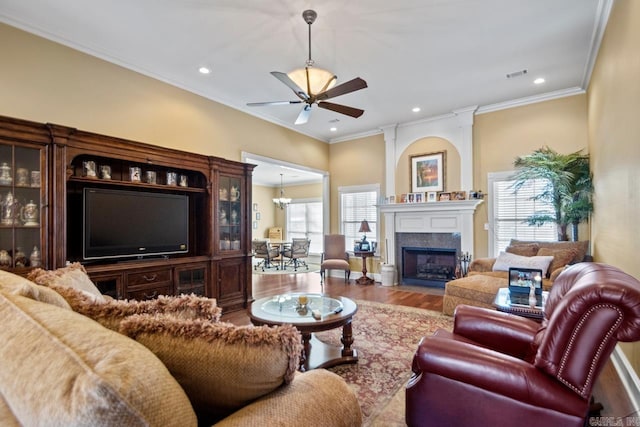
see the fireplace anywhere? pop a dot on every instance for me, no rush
(428, 266)
(427, 225)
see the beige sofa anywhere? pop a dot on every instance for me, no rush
(171, 363)
(485, 277)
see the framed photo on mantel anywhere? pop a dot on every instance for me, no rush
(427, 172)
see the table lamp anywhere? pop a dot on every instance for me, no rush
(364, 228)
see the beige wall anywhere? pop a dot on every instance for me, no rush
(261, 198)
(46, 82)
(614, 142)
(357, 162)
(270, 215)
(499, 137)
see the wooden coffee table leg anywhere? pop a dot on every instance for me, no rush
(347, 340)
(306, 349)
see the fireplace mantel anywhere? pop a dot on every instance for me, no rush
(455, 216)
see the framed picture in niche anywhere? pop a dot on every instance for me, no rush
(427, 172)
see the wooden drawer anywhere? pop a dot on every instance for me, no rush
(149, 277)
(149, 293)
(197, 289)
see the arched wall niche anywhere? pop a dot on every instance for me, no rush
(428, 145)
(455, 128)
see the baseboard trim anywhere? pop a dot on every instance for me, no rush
(628, 376)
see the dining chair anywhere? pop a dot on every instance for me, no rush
(335, 256)
(297, 252)
(262, 250)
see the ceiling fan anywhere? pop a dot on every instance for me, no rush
(319, 85)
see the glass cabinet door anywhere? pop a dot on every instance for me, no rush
(21, 171)
(229, 213)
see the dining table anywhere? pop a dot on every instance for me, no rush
(282, 245)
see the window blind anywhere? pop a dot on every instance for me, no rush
(304, 220)
(355, 207)
(511, 210)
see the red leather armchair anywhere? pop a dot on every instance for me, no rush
(498, 369)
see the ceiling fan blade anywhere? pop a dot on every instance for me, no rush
(303, 117)
(259, 104)
(346, 87)
(284, 78)
(342, 109)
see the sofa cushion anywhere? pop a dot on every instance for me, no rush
(18, 285)
(73, 276)
(561, 256)
(221, 367)
(505, 260)
(524, 249)
(63, 369)
(581, 247)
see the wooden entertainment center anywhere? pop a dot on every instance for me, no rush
(60, 162)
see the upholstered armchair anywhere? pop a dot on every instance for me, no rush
(335, 256)
(265, 252)
(298, 251)
(500, 369)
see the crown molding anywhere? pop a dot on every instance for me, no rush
(602, 18)
(530, 100)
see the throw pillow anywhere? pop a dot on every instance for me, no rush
(528, 249)
(61, 369)
(506, 260)
(561, 257)
(18, 285)
(73, 276)
(221, 367)
(581, 246)
(111, 312)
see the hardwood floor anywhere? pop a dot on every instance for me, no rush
(608, 390)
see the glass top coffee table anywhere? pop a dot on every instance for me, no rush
(311, 313)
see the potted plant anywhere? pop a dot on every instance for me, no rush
(569, 187)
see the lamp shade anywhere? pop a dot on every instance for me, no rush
(364, 227)
(319, 79)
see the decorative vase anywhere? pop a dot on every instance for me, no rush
(29, 215)
(5, 174)
(10, 210)
(5, 259)
(35, 258)
(21, 258)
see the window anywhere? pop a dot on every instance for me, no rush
(304, 220)
(356, 204)
(509, 210)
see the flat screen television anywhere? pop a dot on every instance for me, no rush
(125, 224)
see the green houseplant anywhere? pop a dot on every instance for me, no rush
(569, 187)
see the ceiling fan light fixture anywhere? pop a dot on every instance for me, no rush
(318, 79)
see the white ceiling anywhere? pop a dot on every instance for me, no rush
(439, 55)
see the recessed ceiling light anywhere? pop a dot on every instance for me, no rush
(539, 81)
(415, 109)
(204, 70)
(333, 129)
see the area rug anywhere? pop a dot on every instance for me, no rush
(386, 336)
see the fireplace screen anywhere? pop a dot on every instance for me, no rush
(428, 266)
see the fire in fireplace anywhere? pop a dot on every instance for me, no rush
(428, 266)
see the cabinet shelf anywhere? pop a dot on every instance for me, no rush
(115, 182)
